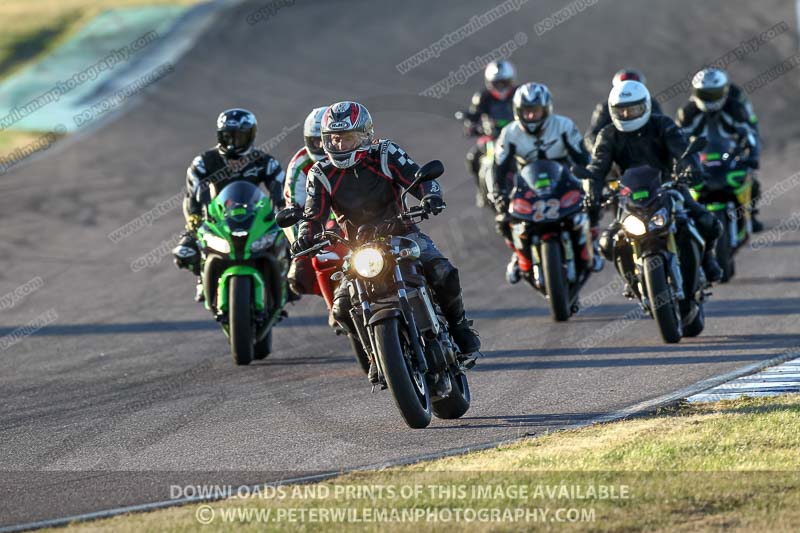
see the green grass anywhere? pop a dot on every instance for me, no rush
(725, 466)
(32, 28)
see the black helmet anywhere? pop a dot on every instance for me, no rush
(236, 132)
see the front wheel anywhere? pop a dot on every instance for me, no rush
(555, 281)
(662, 302)
(724, 251)
(263, 347)
(457, 404)
(407, 385)
(696, 326)
(358, 350)
(240, 319)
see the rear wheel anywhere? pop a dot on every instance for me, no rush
(555, 281)
(457, 404)
(662, 302)
(408, 386)
(240, 319)
(724, 252)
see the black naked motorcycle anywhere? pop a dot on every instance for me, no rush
(659, 252)
(396, 315)
(551, 234)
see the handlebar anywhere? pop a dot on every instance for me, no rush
(407, 216)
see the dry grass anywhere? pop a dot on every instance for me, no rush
(725, 466)
(33, 27)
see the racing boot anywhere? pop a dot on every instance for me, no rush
(513, 273)
(711, 266)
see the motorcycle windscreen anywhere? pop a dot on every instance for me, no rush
(535, 196)
(239, 203)
(641, 184)
(715, 159)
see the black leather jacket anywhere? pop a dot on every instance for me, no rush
(483, 103)
(734, 117)
(212, 169)
(657, 144)
(366, 193)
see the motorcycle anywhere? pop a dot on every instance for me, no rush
(659, 252)
(487, 133)
(396, 316)
(551, 234)
(244, 262)
(727, 193)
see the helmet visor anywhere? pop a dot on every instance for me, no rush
(630, 111)
(314, 145)
(342, 142)
(500, 85)
(532, 113)
(240, 140)
(711, 95)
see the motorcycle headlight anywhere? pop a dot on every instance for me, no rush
(659, 219)
(264, 243)
(368, 262)
(217, 243)
(634, 226)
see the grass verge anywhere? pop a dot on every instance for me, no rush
(730, 465)
(34, 27)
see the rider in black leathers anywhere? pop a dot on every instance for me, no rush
(360, 182)
(637, 138)
(233, 159)
(494, 102)
(601, 117)
(717, 102)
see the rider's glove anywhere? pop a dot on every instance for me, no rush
(302, 243)
(433, 204)
(696, 177)
(501, 205)
(187, 253)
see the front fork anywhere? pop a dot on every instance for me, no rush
(408, 318)
(672, 266)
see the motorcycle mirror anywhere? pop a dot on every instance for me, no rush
(289, 216)
(698, 144)
(428, 172)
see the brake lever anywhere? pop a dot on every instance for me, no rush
(313, 249)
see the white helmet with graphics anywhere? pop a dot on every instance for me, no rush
(499, 77)
(312, 134)
(629, 105)
(532, 105)
(710, 89)
(347, 133)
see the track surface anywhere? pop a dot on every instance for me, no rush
(133, 382)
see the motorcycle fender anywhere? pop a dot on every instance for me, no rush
(240, 270)
(385, 314)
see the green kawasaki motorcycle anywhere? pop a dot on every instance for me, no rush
(244, 262)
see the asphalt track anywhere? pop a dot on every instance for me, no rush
(131, 389)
